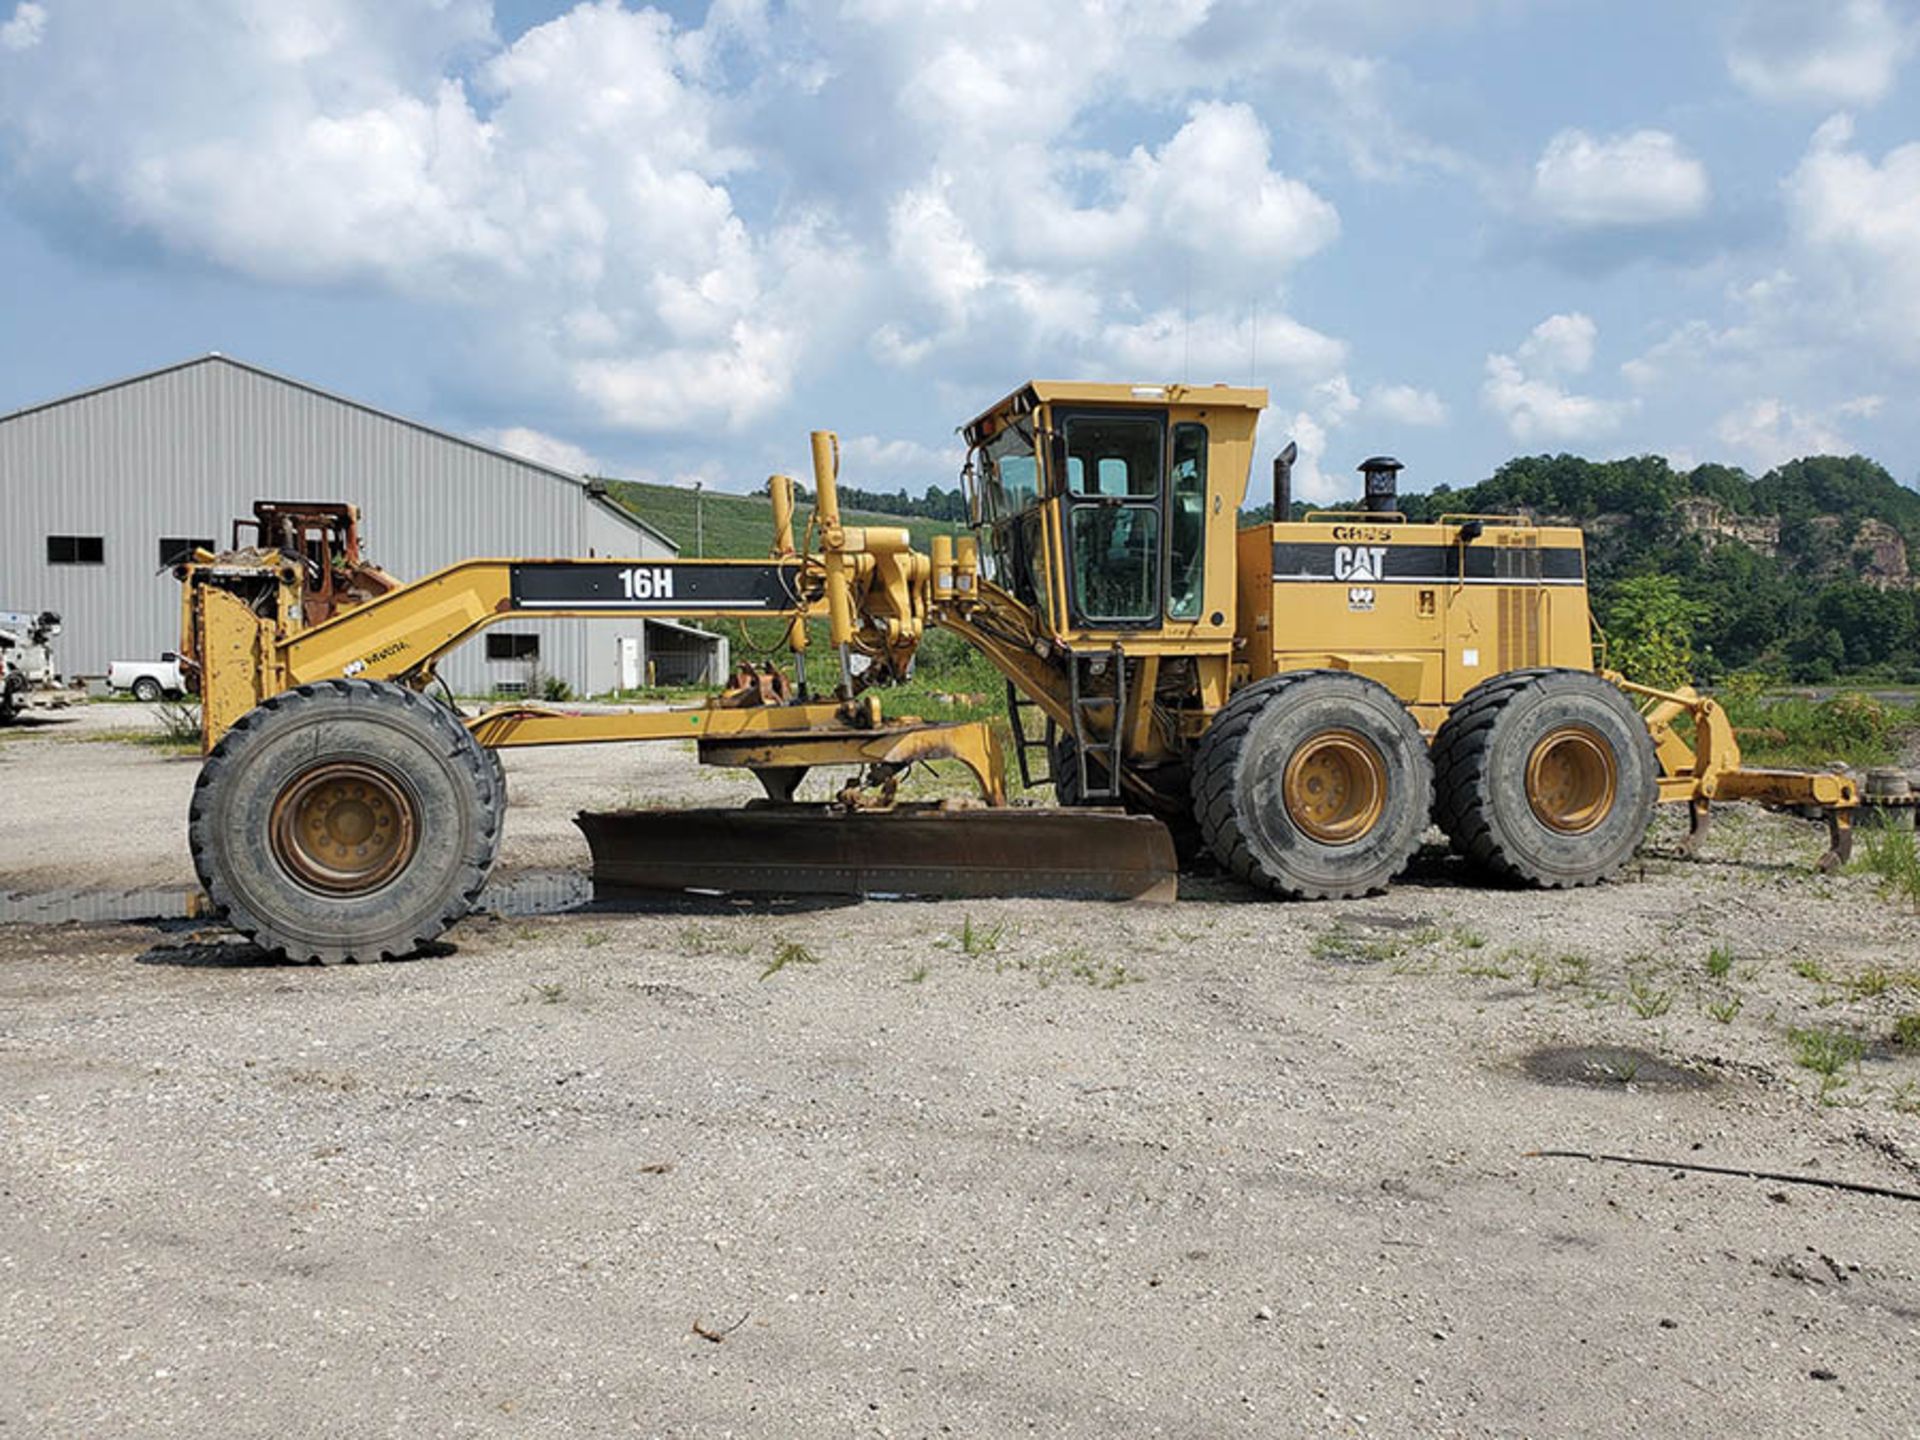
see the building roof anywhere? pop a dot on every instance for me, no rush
(595, 491)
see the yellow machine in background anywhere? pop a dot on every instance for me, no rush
(1298, 699)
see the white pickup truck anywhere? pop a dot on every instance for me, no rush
(148, 679)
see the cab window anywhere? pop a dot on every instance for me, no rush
(1187, 523)
(1113, 481)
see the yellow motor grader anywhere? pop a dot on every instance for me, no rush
(1298, 699)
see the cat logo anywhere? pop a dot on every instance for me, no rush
(1360, 597)
(1359, 562)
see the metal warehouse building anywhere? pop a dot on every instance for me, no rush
(99, 492)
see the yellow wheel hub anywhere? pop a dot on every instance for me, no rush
(344, 828)
(1335, 787)
(1572, 779)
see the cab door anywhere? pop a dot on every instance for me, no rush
(1112, 484)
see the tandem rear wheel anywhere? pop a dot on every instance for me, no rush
(346, 820)
(1314, 785)
(1545, 778)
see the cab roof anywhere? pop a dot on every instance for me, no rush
(1089, 392)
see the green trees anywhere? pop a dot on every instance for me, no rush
(1649, 622)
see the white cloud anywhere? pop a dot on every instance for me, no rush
(1523, 388)
(1560, 344)
(576, 187)
(541, 448)
(1768, 431)
(1405, 405)
(1167, 345)
(1858, 226)
(24, 30)
(869, 462)
(1835, 52)
(1642, 178)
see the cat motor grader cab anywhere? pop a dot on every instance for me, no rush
(1299, 698)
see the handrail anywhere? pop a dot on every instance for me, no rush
(1395, 516)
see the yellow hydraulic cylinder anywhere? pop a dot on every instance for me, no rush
(780, 490)
(833, 539)
(942, 568)
(966, 562)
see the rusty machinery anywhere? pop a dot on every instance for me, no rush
(1298, 699)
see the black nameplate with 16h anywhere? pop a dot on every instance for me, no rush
(677, 586)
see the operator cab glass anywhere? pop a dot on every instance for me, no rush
(1113, 478)
(1010, 495)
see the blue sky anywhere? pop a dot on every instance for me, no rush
(666, 242)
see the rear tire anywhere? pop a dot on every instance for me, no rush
(1314, 785)
(1545, 778)
(349, 820)
(147, 689)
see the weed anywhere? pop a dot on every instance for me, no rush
(1869, 984)
(1905, 1099)
(1894, 856)
(917, 974)
(979, 939)
(1647, 1002)
(1810, 970)
(1488, 970)
(1344, 946)
(1469, 939)
(1906, 1031)
(788, 952)
(547, 992)
(1720, 962)
(593, 939)
(1826, 1053)
(1725, 1010)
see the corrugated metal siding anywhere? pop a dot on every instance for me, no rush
(184, 452)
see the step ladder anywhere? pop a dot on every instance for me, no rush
(1088, 703)
(1025, 744)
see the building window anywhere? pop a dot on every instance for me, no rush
(76, 550)
(512, 645)
(178, 552)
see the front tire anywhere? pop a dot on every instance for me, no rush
(1545, 778)
(348, 820)
(1314, 785)
(147, 689)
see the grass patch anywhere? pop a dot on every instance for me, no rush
(1789, 730)
(1725, 1010)
(1077, 964)
(979, 939)
(1646, 1001)
(1906, 1031)
(1720, 962)
(785, 953)
(1827, 1053)
(1894, 857)
(918, 974)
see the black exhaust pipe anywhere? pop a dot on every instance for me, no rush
(1283, 481)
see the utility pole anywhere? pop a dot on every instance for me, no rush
(699, 522)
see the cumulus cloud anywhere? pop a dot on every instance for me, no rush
(1844, 52)
(1767, 431)
(1858, 225)
(541, 448)
(1641, 178)
(1405, 405)
(1524, 388)
(24, 30)
(575, 183)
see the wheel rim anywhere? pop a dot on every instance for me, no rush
(1335, 787)
(344, 828)
(1572, 779)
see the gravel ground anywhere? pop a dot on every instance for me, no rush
(993, 1168)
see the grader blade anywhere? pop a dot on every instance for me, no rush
(922, 851)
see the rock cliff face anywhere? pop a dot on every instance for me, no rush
(1879, 553)
(1715, 524)
(1876, 554)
